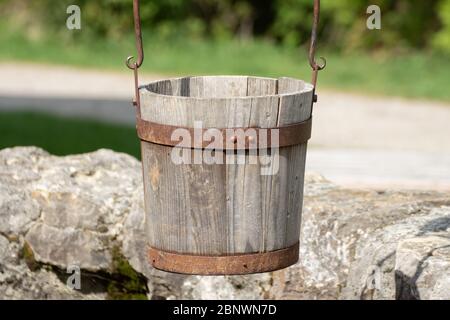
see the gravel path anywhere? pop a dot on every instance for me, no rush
(357, 140)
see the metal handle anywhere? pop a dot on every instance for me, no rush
(138, 33)
(312, 49)
(140, 51)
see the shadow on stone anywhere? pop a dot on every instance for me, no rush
(405, 286)
(435, 225)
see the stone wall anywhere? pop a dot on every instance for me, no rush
(87, 211)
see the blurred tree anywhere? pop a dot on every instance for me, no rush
(405, 23)
(442, 39)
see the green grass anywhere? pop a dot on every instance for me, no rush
(416, 75)
(63, 136)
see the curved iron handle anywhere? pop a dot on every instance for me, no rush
(138, 33)
(312, 49)
(140, 51)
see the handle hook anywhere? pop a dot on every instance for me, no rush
(312, 49)
(140, 51)
(138, 33)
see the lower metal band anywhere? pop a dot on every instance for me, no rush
(224, 265)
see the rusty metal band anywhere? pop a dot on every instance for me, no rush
(224, 265)
(262, 138)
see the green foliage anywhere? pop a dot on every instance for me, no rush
(174, 18)
(406, 24)
(442, 39)
(414, 75)
(80, 136)
(293, 20)
(27, 255)
(129, 284)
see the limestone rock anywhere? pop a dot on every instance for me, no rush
(422, 268)
(373, 273)
(17, 210)
(69, 246)
(17, 281)
(227, 287)
(87, 210)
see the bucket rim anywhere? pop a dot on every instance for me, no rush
(307, 89)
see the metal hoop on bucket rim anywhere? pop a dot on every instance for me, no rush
(316, 67)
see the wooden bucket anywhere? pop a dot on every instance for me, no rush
(239, 217)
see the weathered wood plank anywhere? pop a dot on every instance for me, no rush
(294, 108)
(290, 85)
(275, 202)
(165, 202)
(243, 205)
(261, 86)
(296, 168)
(207, 210)
(196, 87)
(225, 87)
(163, 109)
